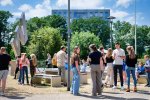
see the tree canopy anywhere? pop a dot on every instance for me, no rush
(94, 25)
(83, 40)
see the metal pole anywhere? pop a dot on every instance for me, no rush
(68, 85)
(111, 34)
(135, 30)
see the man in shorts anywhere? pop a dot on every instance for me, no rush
(4, 63)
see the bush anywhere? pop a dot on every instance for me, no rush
(45, 40)
(83, 40)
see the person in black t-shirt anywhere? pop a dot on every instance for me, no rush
(95, 60)
(4, 63)
(131, 61)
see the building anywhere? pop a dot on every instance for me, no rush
(83, 13)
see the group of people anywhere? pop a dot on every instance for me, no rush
(98, 60)
(114, 61)
(22, 65)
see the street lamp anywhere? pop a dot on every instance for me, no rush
(39, 37)
(68, 85)
(111, 18)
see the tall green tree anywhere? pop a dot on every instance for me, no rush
(45, 40)
(94, 25)
(4, 27)
(83, 40)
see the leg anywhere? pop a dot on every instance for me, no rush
(20, 75)
(32, 74)
(133, 76)
(59, 71)
(115, 75)
(63, 75)
(148, 78)
(108, 75)
(98, 81)
(128, 76)
(111, 76)
(4, 80)
(93, 76)
(120, 74)
(26, 72)
(76, 82)
(23, 71)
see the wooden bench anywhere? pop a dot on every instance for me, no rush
(52, 71)
(55, 80)
(142, 79)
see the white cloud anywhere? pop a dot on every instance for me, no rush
(25, 7)
(124, 3)
(6, 2)
(119, 14)
(38, 10)
(80, 4)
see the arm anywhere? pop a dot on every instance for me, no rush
(77, 66)
(101, 62)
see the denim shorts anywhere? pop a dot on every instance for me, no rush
(3, 74)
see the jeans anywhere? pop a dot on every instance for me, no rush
(20, 75)
(25, 71)
(148, 77)
(116, 68)
(132, 71)
(75, 81)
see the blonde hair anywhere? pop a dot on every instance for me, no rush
(146, 56)
(109, 53)
(131, 52)
(34, 60)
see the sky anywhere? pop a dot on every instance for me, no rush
(122, 9)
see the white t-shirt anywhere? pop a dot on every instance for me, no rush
(117, 53)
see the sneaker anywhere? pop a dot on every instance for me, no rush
(122, 88)
(114, 87)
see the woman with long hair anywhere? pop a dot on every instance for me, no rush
(24, 65)
(109, 68)
(95, 60)
(131, 61)
(75, 63)
(33, 65)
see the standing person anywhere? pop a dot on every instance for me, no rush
(109, 62)
(54, 61)
(103, 58)
(33, 65)
(17, 66)
(118, 55)
(25, 63)
(75, 63)
(147, 69)
(95, 60)
(49, 61)
(61, 57)
(131, 61)
(4, 63)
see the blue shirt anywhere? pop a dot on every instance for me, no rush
(141, 69)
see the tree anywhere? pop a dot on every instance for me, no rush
(4, 27)
(83, 40)
(94, 25)
(45, 40)
(54, 21)
(125, 34)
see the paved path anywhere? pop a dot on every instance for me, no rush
(113, 95)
